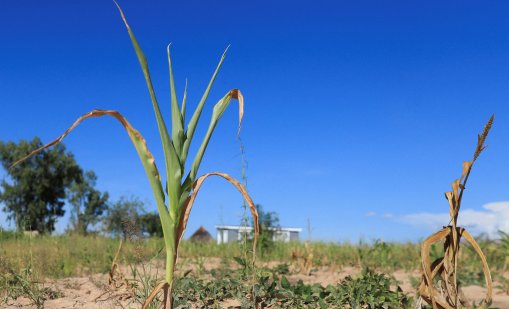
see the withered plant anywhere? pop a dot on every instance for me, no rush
(174, 201)
(446, 292)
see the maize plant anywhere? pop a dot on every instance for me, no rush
(448, 294)
(174, 201)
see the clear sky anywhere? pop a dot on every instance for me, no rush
(358, 114)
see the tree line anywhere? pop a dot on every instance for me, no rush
(34, 194)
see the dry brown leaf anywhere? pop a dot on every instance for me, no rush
(452, 208)
(455, 191)
(427, 291)
(486, 269)
(163, 285)
(467, 165)
(236, 94)
(135, 136)
(450, 295)
(196, 187)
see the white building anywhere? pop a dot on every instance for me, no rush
(232, 233)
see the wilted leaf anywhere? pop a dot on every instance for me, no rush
(217, 112)
(196, 188)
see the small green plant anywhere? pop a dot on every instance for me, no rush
(370, 289)
(380, 255)
(504, 247)
(281, 269)
(174, 202)
(144, 277)
(268, 222)
(275, 290)
(503, 283)
(14, 284)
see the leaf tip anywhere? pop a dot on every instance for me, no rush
(121, 13)
(236, 94)
(226, 51)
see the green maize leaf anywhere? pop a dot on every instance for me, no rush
(184, 99)
(173, 165)
(146, 157)
(177, 122)
(191, 127)
(217, 112)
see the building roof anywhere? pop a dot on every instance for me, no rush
(201, 235)
(249, 228)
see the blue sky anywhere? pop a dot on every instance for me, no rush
(358, 114)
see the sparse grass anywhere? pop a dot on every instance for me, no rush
(83, 256)
(22, 283)
(65, 256)
(504, 246)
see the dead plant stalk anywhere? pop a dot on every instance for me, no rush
(450, 296)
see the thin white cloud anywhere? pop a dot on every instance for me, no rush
(371, 214)
(493, 218)
(388, 216)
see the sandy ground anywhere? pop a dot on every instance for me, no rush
(94, 292)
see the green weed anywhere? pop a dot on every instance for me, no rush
(15, 284)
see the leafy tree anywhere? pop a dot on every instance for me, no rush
(268, 222)
(88, 204)
(34, 192)
(123, 216)
(151, 224)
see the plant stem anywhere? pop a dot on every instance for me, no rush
(170, 267)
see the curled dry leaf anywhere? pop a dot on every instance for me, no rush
(467, 165)
(236, 94)
(486, 268)
(430, 271)
(442, 267)
(161, 286)
(450, 295)
(196, 188)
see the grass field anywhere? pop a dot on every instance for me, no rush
(207, 268)
(74, 255)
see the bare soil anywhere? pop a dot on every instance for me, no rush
(94, 292)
